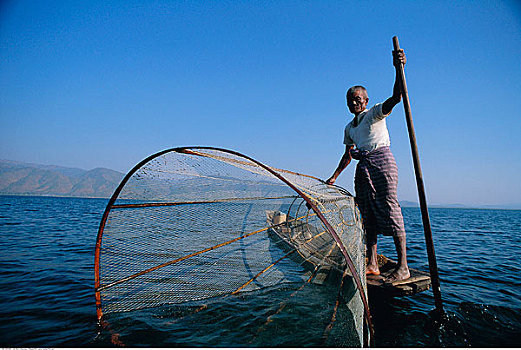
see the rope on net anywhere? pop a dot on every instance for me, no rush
(176, 209)
(335, 310)
(282, 304)
(128, 278)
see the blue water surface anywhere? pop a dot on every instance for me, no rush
(47, 293)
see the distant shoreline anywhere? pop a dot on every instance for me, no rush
(48, 196)
(38, 180)
(407, 204)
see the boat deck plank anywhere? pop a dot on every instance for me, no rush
(418, 282)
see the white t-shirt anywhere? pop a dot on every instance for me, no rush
(371, 132)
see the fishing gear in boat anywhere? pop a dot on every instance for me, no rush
(190, 225)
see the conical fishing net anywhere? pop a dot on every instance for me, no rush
(188, 226)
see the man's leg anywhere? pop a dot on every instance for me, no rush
(402, 271)
(372, 255)
(372, 261)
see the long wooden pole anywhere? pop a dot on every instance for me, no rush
(433, 267)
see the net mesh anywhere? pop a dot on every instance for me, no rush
(193, 224)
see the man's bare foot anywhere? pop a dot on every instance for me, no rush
(372, 270)
(400, 274)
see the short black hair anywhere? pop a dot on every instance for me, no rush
(354, 88)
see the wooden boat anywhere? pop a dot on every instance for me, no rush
(296, 234)
(319, 253)
(314, 250)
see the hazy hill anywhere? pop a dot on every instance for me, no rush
(18, 178)
(48, 180)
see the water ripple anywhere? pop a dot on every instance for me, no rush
(46, 286)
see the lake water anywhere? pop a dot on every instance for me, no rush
(47, 293)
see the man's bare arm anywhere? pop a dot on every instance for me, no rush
(344, 162)
(388, 105)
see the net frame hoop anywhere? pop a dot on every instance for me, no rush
(187, 150)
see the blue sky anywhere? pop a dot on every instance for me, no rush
(106, 83)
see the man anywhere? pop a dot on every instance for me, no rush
(376, 177)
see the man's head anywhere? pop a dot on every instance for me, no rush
(357, 99)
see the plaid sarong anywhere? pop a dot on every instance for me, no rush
(376, 182)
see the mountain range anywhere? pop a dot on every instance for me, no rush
(18, 178)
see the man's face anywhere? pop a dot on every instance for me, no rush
(357, 101)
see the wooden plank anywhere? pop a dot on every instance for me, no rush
(322, 274)
(418, 282)
(412, 279)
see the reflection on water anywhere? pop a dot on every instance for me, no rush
(269, 317)
(47, 297)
